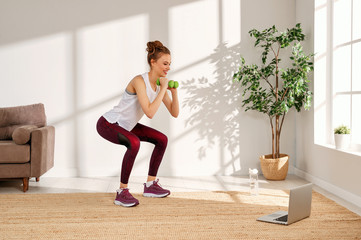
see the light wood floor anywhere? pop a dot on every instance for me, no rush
(174, 184)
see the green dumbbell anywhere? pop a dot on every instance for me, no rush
(176, 84)
(171, 83)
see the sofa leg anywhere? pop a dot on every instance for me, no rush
(38, 179)
(25, 184)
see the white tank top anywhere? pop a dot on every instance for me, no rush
(128, 112)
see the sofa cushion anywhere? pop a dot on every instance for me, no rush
(13, 153)
(9, 170)
(22, 134)
(14, 117)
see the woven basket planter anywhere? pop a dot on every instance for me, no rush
(274, 169)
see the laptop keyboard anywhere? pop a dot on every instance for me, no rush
(282, 219)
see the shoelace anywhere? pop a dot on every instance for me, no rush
(127, 194)
(156, 183)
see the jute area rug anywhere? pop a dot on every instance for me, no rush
(201, 215)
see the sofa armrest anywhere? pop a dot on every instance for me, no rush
(42, 150)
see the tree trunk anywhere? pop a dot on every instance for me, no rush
(273, 138)
(277, 137)
(279, 134)
(277, 117)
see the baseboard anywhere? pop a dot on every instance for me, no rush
(339, 192)
(61, 172)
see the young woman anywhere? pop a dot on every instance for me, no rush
(120, 124)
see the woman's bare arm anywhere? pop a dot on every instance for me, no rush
(172, 104)
(149, 108)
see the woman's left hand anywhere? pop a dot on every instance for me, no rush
(172, 90)
(172, 103)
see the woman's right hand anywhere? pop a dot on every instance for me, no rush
(163, 82)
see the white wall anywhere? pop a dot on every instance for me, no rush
(334, 170)
(76, 57)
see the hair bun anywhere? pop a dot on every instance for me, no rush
(152, 46)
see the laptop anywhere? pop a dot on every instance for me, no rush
(299, 207)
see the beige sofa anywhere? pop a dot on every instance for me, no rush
(26, 143)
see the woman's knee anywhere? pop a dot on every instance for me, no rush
(162, 140)
(123, 140)
(132, 142)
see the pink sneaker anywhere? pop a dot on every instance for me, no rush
(125, 199)
(155, 190)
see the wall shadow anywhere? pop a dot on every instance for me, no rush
(38, 18)
(215, 107)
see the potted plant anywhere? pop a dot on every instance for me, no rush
(342, 137)
(273, 91)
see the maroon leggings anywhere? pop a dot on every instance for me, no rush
(118, 135)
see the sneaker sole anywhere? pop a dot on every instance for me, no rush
(124, 204)
(155, 195)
